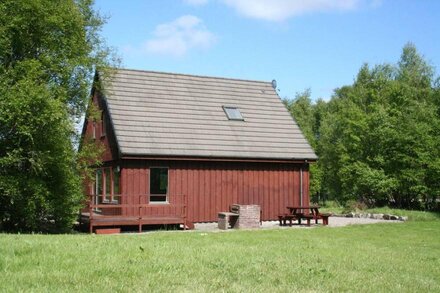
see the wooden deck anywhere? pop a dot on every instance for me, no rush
(99, 221)
(125, 212)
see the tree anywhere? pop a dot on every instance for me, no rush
(309, 115)
(48, 53)
(380, 139)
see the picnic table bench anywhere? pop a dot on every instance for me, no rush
(307, 213)
(288, 217)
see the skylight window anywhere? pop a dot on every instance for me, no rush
(233, 113)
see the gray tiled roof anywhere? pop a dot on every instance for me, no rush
(167, 114)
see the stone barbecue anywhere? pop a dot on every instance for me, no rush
(240, 217)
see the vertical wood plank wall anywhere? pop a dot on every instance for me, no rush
(105, 140)
(211, 187)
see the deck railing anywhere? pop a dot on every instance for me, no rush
(127, 209)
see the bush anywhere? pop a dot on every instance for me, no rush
(354, 206)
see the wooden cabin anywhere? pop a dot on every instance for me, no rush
(181, 148)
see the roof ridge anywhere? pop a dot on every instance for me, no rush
(193, 75)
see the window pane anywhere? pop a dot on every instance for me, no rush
(158, 198)
(108, 185)
(99, 187)
(115, 182)
(103, 125)
(99, 182)
(94, 130)
(233, 113)
(158, 183)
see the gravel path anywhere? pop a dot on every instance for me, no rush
(333, 222)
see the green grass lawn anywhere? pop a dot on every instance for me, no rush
(374, 258)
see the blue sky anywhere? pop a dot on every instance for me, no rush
(316, 44)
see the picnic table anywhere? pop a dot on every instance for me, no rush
(307, 213)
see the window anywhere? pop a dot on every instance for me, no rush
(103, 125)
(93, 129)
(116, 178)
(158, 184)
(107, 185)
(98, 182)
(233, 113)
(97, 199)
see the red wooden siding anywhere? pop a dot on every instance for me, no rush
(211, 187)
(104, 139)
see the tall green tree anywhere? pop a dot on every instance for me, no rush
(309, 115)
(48, 53)
(380, 139)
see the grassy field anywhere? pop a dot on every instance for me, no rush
(368, 258)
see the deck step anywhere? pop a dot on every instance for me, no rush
(108, 231)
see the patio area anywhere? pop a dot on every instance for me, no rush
(333, 222)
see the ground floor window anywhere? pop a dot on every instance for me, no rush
(107, 185)
(158, 184)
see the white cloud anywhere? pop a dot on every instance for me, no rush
(196, 2)
(176, 38)
(279, 10)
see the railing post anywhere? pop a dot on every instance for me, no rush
(139, 215)
(185, 210)
(91, 213)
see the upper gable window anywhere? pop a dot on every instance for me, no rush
(103, 125)
(93, 129)
(233, 113)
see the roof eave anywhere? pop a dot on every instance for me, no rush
(217, 159)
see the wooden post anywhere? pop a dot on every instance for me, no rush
(139, 215)
(184, 212)
(90, 214)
